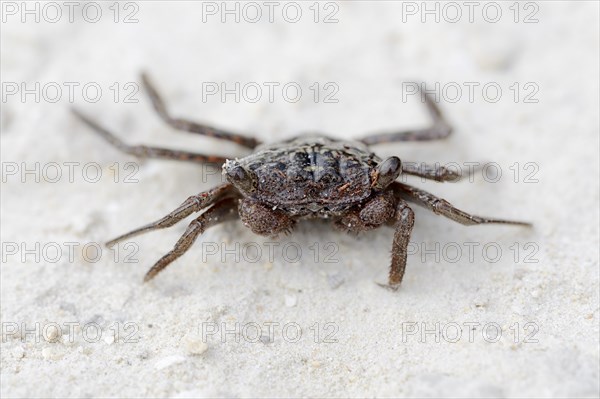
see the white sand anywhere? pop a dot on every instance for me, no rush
(367, 343)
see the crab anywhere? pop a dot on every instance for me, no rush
(309, 176)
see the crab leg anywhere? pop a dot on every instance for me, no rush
(222, 211)
(405, 220)
(442, 207)
(194, 203)
(189, 126)
(144, 151)
(440, 128)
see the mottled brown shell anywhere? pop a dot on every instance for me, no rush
(312, 174)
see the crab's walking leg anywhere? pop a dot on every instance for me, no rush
(146, 151)
(442, 207)
(439, 130)
(194, 203)
(405, 220)
(431, 172)
(189, 126)
(222, 211)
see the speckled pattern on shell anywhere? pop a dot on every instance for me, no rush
(311, 175)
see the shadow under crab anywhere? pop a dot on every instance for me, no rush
(312, 176)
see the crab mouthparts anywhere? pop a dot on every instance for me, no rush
(314, 207)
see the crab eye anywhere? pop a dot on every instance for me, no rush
(242, 178)
(389, 170)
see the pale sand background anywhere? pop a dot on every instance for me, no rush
(368, 54)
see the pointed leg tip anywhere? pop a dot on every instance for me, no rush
(523, 224)
(389, 287)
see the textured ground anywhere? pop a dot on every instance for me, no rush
(318, 326)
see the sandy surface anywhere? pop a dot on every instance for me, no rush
(519, 322)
